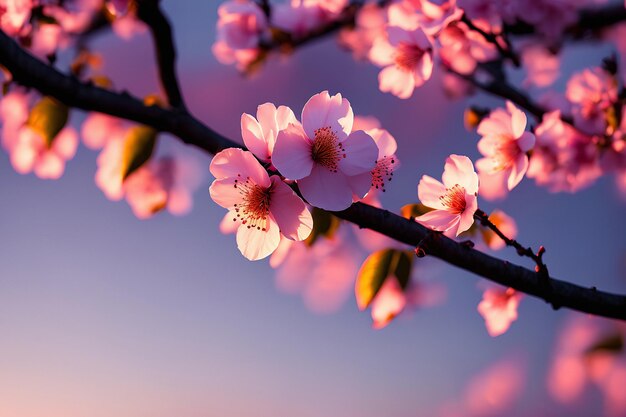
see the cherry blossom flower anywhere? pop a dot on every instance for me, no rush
(504, 144)
(297, 17)
(28, 149)
(454, 201)
(323, 274)
(387, 161)
(14, 14)
(330, 163)
(502, 221)
(165, 182)
(264, 206)
(435, 15)
(370, 24)
(499, 309)
(408, 63)
(259, 135)
(240, 24)
(542, 66)
(99, 128)
(462, 49)
(591, 93)
(564, 159)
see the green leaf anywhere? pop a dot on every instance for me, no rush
(138, 148)
(411, 211)
(377, 268)
(325, 225)
(613, 343)
(48, 117)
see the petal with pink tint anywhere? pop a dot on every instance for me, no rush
(360, 184)
(499, 309)
(179, 201)
(386, 143)
(460, 170)
(467, 217)
(440, 220)
(526, 141)
(361, 153)
(323, 110)
(233, 162)
(229, 224)
(396, 81)
(518, 119)
(423, 70)
(225, 193)
(325, 189)
(429, 191)
(253, 137)
(517, 172)
(292, 153)
(66, 143)
(49, 166)
(388, 303)
(257, 244)
(289, 211)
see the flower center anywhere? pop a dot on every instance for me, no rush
(407, 56)
(506, 153)
(326, 149)
(454, 199)
(383, 172)
(255, 208)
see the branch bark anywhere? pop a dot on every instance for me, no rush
(149, 11)
(31, 72)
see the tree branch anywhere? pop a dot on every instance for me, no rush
(150, 13)
(29, 71)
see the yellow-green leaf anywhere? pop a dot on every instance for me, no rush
(48, 117)
(378, 267)
(324, 225)
(411, 211)
(138, 147)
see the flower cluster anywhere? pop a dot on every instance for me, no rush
(331, 163)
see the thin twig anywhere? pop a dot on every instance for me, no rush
(150, 13)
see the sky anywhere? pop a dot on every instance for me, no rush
(103, 314)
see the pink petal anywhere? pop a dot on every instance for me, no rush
(526, 142)
(179, 201)
(429, 190)
(23, 158)
(460, 170)
(423, 70)
(397, 35)
(49, 166)
(326, 190)
(289, 211)
(292, 153)
(284, 117)
(229, 223)
(253, 137)
(322, 110)
(438, 220)
(389, 302)
(225, 194)
(233, 162)
(360, 185)
(65, 143)
(382, 52)
(266, 115)
(361, 154)
(467, 217)
(257, 244)
(386, 143)
(518, 170)
(518, 119)
(397, 82)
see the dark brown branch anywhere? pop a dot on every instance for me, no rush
(150, 13)
(33, 73)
